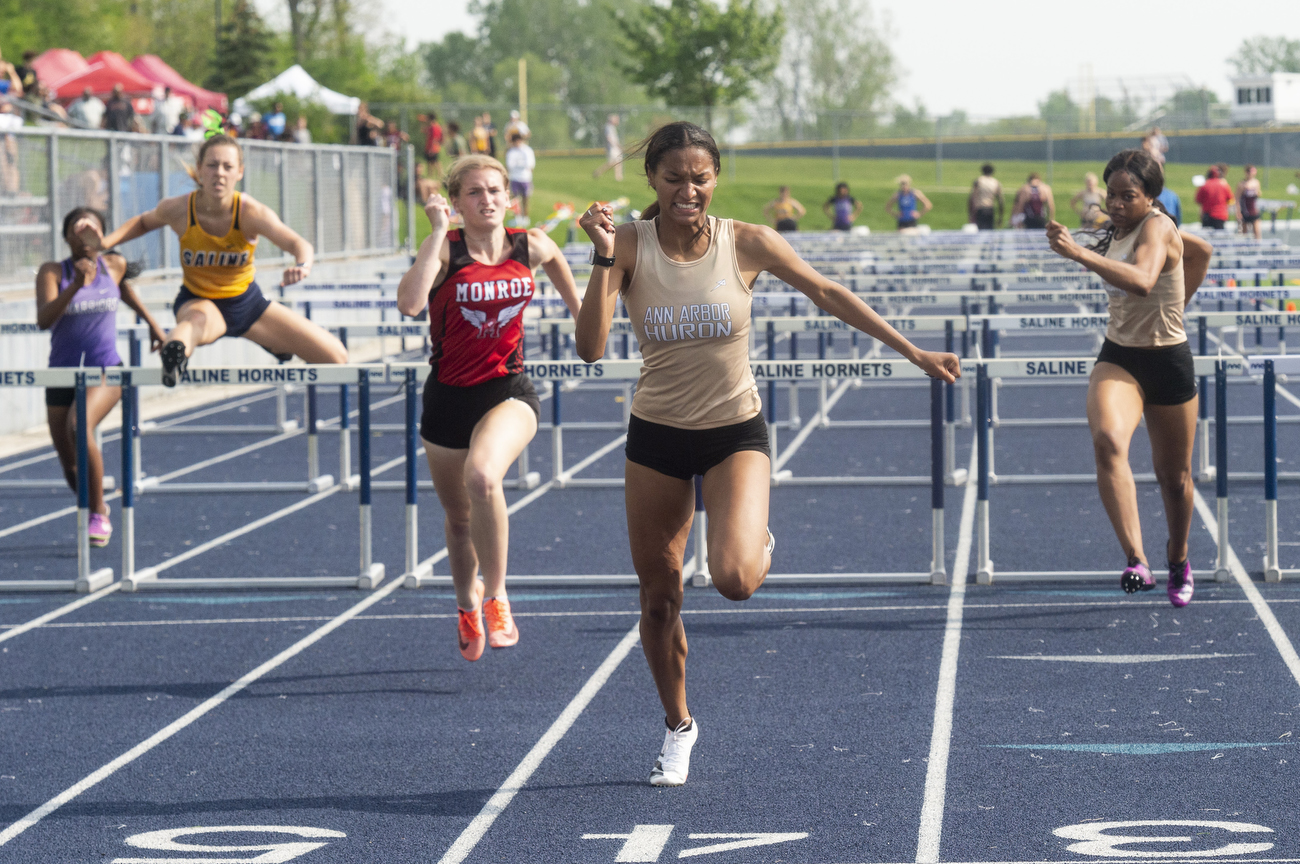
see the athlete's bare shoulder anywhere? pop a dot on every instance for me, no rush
(541, 248)
(174, 209)
(762, 241)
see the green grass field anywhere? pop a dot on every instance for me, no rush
(756, 179)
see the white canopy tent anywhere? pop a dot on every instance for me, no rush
(296, 81)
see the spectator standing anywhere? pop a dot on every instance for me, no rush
(478, 137)
(27, 73)
(1173, 205)
(1214, 197)
(907, 205)
(491, 134)
(984, 206)
(1034, 206)
(613, 150)
(784, 211)
(10, 84)
(88, 110)
(1090, 204)
(432, 148)
(301, 134)
(1156, 144)
(1248, 194)
(369, 127)
(394, 138)
(842, 208)
(119, 116)
(517, 125)
(166, 113)
(520, 162)
(456, 145)
(275, 121)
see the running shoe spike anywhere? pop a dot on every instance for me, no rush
(1181, 584)
(1137, 578)
(174, 362)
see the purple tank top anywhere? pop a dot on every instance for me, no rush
(88, 327)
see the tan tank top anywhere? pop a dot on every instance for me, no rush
(692, 320)
(1153, 321)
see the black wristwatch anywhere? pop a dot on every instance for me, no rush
(600, 260)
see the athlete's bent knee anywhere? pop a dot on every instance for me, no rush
(1175, 479)
(736, 579)
(480, 482)
(1109, 446)
(661, 607)
(336, 353)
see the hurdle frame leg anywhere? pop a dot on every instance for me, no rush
(1272, 570)
(938, 573)
(983, 443)
(1222, 571)
(700, 576)
(372, 572)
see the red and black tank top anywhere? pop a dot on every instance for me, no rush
(476, 316)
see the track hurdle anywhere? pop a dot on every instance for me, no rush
(1080, 369)
(371, 572)
(1270, 368)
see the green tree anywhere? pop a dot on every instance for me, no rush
(82, 25)
(833, 60)
(693, 53)
(1059, 112)
(245, 53)
(1263, 55)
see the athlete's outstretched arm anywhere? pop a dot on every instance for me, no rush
(543, 251)
(761, 248)
(260, 219)
(1196, 263)
(1138, 278)
(413, 290)
(166, 213)
(599, 302)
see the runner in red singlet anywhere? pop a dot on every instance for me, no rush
(480, 409)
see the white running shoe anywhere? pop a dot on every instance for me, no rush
(674, 761)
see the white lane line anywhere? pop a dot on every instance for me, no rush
(1275, 631)
(813, 423)
(501, 799)
(20, 629)
(936, 772)
(192, 715)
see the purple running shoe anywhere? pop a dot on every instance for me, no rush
(1181, 585)
(1137, 577)
(100, 529)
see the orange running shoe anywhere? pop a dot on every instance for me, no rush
(502, 632)
(469, 629)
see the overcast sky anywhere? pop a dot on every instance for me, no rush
(1027, 51)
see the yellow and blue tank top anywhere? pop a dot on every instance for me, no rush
(216, 267)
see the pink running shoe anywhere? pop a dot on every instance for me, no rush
(1137, 577)
(1181, 585)
(100, 529)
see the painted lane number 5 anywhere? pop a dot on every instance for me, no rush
(272, 853)
(1105, 838)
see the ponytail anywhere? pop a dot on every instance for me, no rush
(651, 211)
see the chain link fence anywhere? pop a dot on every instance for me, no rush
(341, 199)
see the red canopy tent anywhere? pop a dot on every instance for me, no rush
(152, 67)
(105, 70)
(58, 63)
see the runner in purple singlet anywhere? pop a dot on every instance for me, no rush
(76, 300)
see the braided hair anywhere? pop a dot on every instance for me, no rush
(1142, 167)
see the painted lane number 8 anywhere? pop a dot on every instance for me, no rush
(1105, 838)
(272, 853)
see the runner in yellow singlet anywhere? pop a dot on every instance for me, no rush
(219, 229)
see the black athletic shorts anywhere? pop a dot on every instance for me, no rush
(786, 225)
(451, 413)
(683, 453)
(1249, 220)
(1211, 222)
(906, 223)
(239, 312)
(1033, 223)
(1166, 375)
(984, 218)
